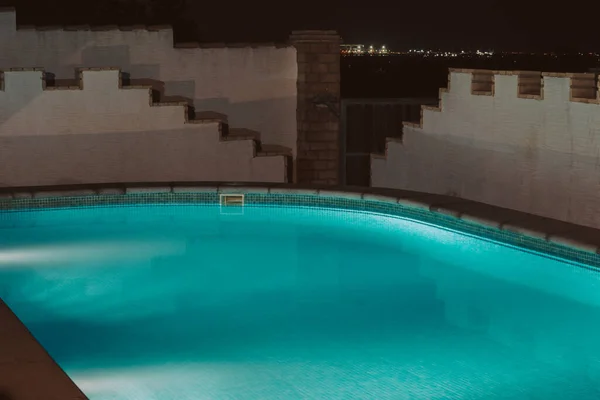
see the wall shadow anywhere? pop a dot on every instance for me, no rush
(269, 116)
(107, 57)
(138, 156)
(533, 180)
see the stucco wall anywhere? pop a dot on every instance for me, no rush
(516, 140)
(101, 132)
(254, 86)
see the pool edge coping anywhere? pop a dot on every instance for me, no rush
(554, 232)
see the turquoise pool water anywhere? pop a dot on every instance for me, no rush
(183, 302)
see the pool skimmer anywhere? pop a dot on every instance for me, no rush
(232, 203)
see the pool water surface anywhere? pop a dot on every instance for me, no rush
(184, 302)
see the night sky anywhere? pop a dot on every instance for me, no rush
(518, 25)
(498, 24)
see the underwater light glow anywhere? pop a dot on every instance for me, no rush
(180, 303)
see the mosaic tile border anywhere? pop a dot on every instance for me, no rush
(503, 226)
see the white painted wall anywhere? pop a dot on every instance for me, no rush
(540, 156)
(106, 134)
(254, 87)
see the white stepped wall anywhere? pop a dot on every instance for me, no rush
(539, 155)
(254, 86)
(103, 133)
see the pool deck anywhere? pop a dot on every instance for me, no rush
(28, 372)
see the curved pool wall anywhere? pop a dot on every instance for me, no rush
(554, 238)
(31, 371)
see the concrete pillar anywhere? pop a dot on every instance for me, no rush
(318, 147)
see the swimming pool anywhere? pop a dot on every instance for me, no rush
(194, 301)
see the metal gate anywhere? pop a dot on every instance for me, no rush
(365, 125)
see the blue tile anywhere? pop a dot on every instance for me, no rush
(294, 200)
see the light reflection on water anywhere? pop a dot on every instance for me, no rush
(180, 302)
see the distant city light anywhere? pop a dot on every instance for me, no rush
(372, 50)
(352, 49)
